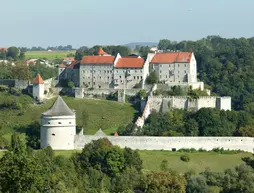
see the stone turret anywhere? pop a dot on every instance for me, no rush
(38, 88)
(58, 126)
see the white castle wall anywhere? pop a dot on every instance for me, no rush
(170, 143)
(58, 132)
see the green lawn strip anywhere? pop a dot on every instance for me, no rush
(199, 161)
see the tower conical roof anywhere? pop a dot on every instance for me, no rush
(59, 108)
(38, 80)
(101, 52)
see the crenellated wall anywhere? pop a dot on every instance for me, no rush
(170, 143)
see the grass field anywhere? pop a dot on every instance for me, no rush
(107, 115)
(199, 161)
(49, 55)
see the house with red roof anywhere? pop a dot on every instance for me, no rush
(106, 71)
(4, 49)
(130, 72)
(176, 68)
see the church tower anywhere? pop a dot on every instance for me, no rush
(58, 126)
(38, 88)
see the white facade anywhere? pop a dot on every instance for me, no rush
(96, 75)
(38, 91)
(58, 132)
(176, 72)
(58, 127)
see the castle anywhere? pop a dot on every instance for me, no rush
(58, 130)
(104, 71)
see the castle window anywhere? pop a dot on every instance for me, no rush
(53, 134)
(166, 76)
(184, 65)
(59, 123)
(48, 122)
(185, 71)
(100, 77)
(137, 77)
(178, 65)
(120, 76)
(69, 122)
(134, 77)
(83, 71)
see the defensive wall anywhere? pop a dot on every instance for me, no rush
(171, 143)
(21, 84)
(82, 92)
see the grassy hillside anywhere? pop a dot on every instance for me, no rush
(199, 161)
(107, 115)
(48, 55)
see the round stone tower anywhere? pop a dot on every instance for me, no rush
(58, 126)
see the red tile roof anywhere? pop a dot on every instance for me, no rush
(168, 58)
(130, 63)
(101, 52)
(97, 60)
(4, 49)
(62, 66)
(71, 59)
(73, 64)
(38, 80)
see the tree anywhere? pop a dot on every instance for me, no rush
(196, 184)
(2, 55)
(13, 53)
(33, 135)
(19, 171)
(142, 94)
(152, 78)
(164, 181)
(21, 71)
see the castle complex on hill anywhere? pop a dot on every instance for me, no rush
(58, 130)
(105, 71)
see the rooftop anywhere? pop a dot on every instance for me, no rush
(38, 79)
(101, 52)
(59, 108)
(130, 62)
(171, 57)
(97, 60)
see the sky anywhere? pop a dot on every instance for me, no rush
(115, 22)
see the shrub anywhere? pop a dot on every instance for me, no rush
(3, 88)
(3, 142)
(185, 158)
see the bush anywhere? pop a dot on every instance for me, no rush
(225, 151)
(185, 158)
(3, 143)
(3, 88)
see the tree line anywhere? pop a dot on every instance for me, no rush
(103, 167)
(112, 50)
(204, 122)
(21, 71)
